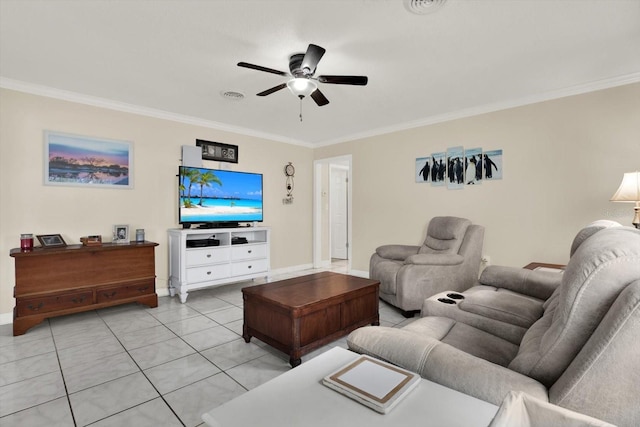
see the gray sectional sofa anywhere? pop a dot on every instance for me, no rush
(576, 345)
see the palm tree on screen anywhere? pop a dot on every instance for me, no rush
(206, 180)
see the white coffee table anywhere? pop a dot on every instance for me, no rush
(298, 398)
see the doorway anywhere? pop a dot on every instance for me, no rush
(338, 211)
(332, 212)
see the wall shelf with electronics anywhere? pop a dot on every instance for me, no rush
(202, 258)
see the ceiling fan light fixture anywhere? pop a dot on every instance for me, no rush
(301, 86)
(423, 7)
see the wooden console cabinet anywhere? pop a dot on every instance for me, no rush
(55, 281)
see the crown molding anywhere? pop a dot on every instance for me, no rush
(431, 120)
(490, 108)
(95, 101)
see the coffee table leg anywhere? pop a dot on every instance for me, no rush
(295, 362)
(245, 334)
(376, 322)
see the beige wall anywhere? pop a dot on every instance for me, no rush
(28, 206)
(563, 160)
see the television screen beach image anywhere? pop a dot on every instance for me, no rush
(208, 195)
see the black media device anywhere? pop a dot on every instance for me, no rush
(202, 243)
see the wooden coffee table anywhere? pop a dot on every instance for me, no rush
(298, 315)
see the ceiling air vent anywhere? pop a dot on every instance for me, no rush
(233, 96)
(423, 7)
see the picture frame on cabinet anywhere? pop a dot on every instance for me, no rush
(121, 233)
(51, 240)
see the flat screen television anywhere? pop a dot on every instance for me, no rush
(218, 198)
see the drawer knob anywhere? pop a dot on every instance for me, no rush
(143, 289)
(109, 295)
(208, 272)
(249, 267)
(249, 251)
(35, 308)
(208, 255)
(78, 300)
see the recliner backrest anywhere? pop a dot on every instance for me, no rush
(444, 235)
(589, 231)
(604, 378)
(600, 269)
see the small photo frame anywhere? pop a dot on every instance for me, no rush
(120, 233)
(218, 151)
(51, 240)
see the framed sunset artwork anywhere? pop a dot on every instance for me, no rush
(74, 160)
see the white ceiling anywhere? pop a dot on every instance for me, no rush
(173, 58)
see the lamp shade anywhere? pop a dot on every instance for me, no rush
(629, 190)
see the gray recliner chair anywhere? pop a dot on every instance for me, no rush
(449, 258)
(583, 354)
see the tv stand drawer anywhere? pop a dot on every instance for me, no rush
(207, 256)
(208, 273)
(249, 267)
(240, 252)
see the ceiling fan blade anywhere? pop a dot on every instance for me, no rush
(273, 89)
(344, 80)
(319, 98)
(261, 68)
(311, 59)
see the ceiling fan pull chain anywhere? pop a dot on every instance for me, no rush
(301, 107)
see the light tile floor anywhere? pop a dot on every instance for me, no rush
(134, 366)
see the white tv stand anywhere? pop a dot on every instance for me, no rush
(192, 268)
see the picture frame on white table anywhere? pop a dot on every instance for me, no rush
(376, 384)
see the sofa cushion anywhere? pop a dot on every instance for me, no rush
(509, 307)
(520, 409)
(466, 338)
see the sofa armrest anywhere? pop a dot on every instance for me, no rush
(397, 252)
(537, 284)
(443, 364)
(520, 409)
(435, 259)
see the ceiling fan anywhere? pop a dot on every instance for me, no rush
(302, 66)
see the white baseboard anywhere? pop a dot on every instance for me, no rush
(291, 269)
(360, 273)
(6, 318)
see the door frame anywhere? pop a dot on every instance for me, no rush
(345, 160)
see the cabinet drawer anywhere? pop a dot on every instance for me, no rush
(208, 272)
(207, 256)
(248, 252)
(249, 267)
(124, 291)
(29, 306)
